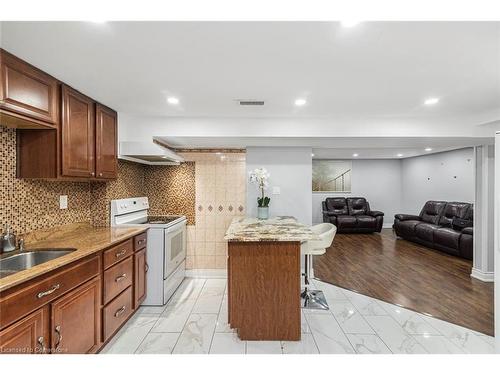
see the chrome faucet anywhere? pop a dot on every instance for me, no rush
(21, 244)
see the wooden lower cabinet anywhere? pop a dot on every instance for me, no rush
(76, 322)
(140, 270)
(28, 336)
(65, 311)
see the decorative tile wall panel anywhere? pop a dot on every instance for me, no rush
(220, 194)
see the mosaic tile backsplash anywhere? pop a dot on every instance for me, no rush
(29, 205)
(34, 204)
(179, 183)
(209, 189)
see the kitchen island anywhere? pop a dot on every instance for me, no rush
(264, 277)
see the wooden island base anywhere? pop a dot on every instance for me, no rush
(264, 289)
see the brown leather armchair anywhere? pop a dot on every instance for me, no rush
(352, 215)
(444, 226)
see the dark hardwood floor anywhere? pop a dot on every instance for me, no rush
(401, 272)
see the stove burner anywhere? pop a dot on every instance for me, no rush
(161, 219)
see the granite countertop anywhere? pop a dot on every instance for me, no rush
(281, 228)
(85, 238)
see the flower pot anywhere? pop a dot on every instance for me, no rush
(263, 212)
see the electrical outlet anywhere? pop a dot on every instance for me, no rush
(63, 202)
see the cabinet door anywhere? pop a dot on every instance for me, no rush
(141, 268)
(76, 320)
(106, 142)
(77, 134)
(29, 335)
(28, 96)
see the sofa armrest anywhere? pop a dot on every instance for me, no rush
(329, 213)
(375, 213)
(468, 230)
(404, 217)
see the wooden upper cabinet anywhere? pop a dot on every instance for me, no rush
(106, 142)
(77, 134)
(28, 97)
(76, 320)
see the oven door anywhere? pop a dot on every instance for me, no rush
(175, 247)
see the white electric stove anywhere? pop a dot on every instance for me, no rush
(166, 246)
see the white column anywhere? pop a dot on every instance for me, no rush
(483, 265)
(497, 242)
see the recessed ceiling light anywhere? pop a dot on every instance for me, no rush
(399, 155)
(355, 155)
(349, 23)
(428, 149)
(98, 21)
(431, 101)
(172, 100)
(312, 155)
(300, 102)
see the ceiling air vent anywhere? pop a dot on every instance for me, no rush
(251, 102)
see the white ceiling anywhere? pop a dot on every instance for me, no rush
(336, 147)
(383, 69)
(369, 80)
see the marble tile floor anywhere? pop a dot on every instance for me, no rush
(195, 321)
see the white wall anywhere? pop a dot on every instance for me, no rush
(291, 171)
(379, 181)
(447, 176)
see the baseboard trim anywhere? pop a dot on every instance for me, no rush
(207, 273)
(488, 277)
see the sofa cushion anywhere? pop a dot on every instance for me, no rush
(447, 237)
(337, 206)
(357, 206)
(453, 210)
(407, 228)
(432, 211)
(365, 221)
(345, 221)
(425, 231)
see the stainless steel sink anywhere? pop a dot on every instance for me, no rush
(25, 260)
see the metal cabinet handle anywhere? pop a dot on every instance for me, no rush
(92, 173)
(121, 277)
(59, 337)
(121, 253)
(41, 343)
(120, 311)
(141, 242)
(47, 292)
(146, 267)
(100, 174)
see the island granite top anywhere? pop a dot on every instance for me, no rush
(280, 228)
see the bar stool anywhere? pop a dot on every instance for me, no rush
(315, 299)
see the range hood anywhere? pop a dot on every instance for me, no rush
(148, 153)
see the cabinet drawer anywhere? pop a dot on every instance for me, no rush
(36, 293)
(117, 312)
(140, 241)
(117, 279)
(117, 253)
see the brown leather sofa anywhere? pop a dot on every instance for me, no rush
(352, 215)
(445, 226)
